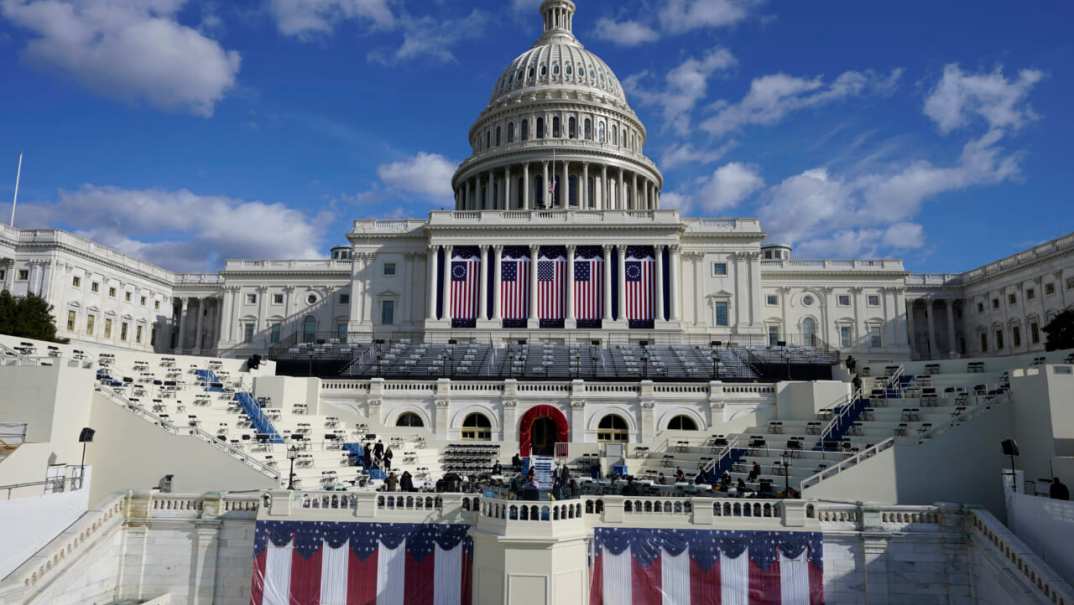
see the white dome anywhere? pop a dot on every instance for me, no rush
(561, 63)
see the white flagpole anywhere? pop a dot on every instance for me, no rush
(15, 200)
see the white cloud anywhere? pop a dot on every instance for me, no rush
(432, 37)
(773, 97)
(904, 236)
(625, 33)
(684, 87)
(525, 5)
(727, 187)
(959, 97)
(426, 174)
(181, 230)
(133, 50)
(679, 16)
(685, 153)
(302, 18)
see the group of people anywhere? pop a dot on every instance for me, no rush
(376, 456)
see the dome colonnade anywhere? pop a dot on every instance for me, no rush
(558, 133)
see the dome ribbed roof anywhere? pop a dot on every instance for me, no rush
(561, 64)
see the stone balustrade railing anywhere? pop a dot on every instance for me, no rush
(833, 265)
(987, 531)
(461, 218)
(511, 388)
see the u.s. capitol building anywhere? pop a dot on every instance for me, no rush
(557, 234)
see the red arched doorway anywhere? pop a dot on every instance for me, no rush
(541, 427)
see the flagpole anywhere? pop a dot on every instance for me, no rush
(15, 200)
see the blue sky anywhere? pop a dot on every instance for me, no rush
(189, 131)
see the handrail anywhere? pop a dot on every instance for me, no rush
(847, 406)
(854, 460)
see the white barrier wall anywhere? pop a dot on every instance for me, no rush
(285, 391)
(27, 524)
(54, 402)
(802, 400)
(1047, 526)
(1043, 417)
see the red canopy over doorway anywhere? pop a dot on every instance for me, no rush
(525, 428)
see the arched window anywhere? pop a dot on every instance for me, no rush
(476, 427)
(557, 128)
(309, 329)
(488, 139)
(588, 129)
(540, 128)
(615, 134)
(572, 128)
(682, 422)
(526, 129)
(409, 419)
(530, 75)
(809, 332)
(613, 428)
(511, 132)
(544, 70)
(600, 132)
(498, 130)
(569, 71)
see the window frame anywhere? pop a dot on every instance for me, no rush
(726, 306)
(719, 269)
(390, 269)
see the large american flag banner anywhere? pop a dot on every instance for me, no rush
(693, 567)
(640, 268)
(551, 286)
(589, 285)
(329, 563)
(465, 280)
(514, 285)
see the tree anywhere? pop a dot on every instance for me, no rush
(1060, 331)
(29, 317)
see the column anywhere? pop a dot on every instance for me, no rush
(262, 310)
(448, 250)
(483, 281)
(182, 323)
(497, 314)
(565, 186)
(621, 262)
(225, 316)
(659, 315)
(407, 294)
(584, 189)
(534, 251)
(932, 328)
(431, 266)
(951, 344)
(603, 199)
(465, 195)
(570, 285)
(544, 191)
(490, 193)
(634, 196)
(910, 325)
(676, 284)
(526, 185)
(197, 324)
(607, 282)
(507, 188)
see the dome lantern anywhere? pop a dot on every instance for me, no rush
(558, 18)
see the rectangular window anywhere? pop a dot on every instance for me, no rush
(1034, 333)
(999, 340)
(72, 319)
(980, 307)
(247, 333)
(772, 300)
(107, 328)
(76, 281)
(95, 287)
(123, 331)
(1016, 337)
(1070, 283)
(984, 342)
(723, 314)
(23, 274)
(142, 301)
(995, 303)
(344, 299)
(873, 300)
(1049, 289)
(1012, 299)
(389, 268)
(277, 299)
(3, 274)
(251, 299)
(90, 321)
(844, 300)
(138, 334)
(876, 341)
(156, 305)
(773, 336)
(846, 337)
(127, 296)
(274, 334)
(387, 312)
(719, 269)
(153, 336)
(112, 292)
(341, 330)
(1031, 294)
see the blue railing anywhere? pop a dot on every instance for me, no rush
(844, 419)
(257, 417)
(726, 463)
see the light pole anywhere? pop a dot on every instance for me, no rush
(84, 437)
(292, 453)
(786, 476)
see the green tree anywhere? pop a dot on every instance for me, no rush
(1060, 331)
(29, 317)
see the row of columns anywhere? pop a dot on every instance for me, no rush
(930, 320)
(569, 307)
(207, 325)
(612, 188)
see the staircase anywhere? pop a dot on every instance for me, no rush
(257, 417)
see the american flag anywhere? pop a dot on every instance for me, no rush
(464, 286)
(514, 286)
(639, 289)
(589, 288)
(551, 281)
(339, 563)
(691, 567)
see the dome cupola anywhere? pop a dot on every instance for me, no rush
(558, 18)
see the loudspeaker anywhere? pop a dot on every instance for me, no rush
(781, 343)
(715, 343)
(86, 435)
(1010, 447)
(254, 362)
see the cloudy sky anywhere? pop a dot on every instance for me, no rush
(190, 131)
